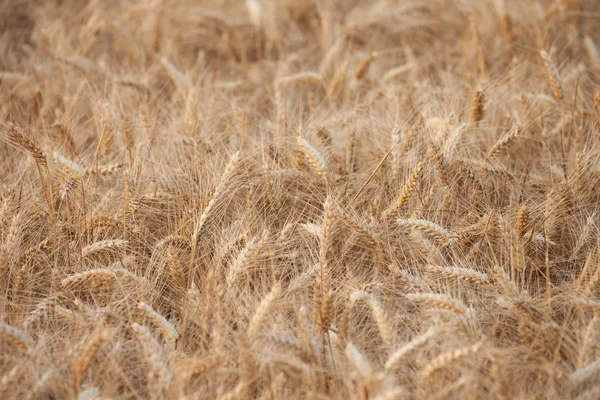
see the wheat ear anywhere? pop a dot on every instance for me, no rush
(581, 375)
(477, 106)
(316, 160)
(94, 276)
(504, 142)
(592, 52)
(552, 76)
(386, 330)
(447, 358)
(358, 360)
(166, 328)
(223, 182)
(363, 66)
(158, 375)
(408, 190)
(311, 78)
(261, 312)
(440, 301)
(15, 337)
(103, 246)
(400, 353)
(458, 273)
(431, 229)
(87, 354)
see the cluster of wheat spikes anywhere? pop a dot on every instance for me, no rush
(318, 199)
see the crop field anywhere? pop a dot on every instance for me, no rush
(300, 199)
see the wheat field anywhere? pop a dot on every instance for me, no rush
(281, 199)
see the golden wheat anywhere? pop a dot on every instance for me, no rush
(299, 199)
